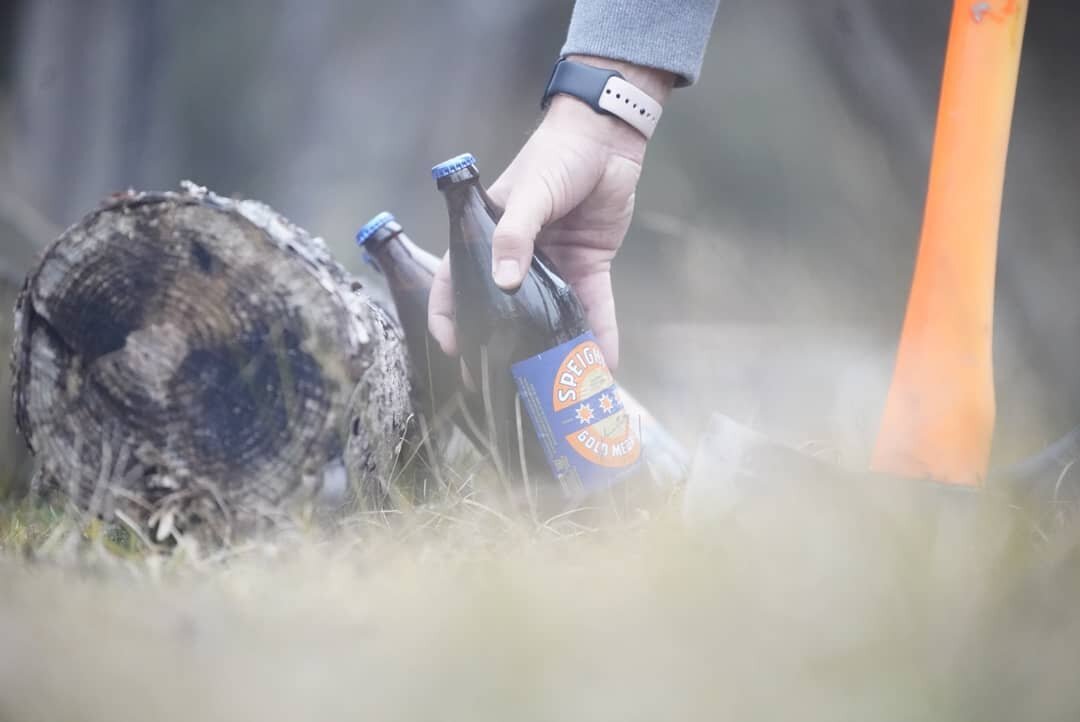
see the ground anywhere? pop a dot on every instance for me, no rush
(793, 607)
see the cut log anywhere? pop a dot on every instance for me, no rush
(13, 461)
(186, 357)
(23, 233)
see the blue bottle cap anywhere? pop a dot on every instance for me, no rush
(373, 225)
(453, 165)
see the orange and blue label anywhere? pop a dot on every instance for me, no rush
(573, 401)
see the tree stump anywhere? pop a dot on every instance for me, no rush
(13, 462)
(23, 233)
(183, 357)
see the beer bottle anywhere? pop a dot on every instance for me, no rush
(409, 271)
(531, 348)
(408, 275)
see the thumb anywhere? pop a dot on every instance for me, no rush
(528, 207)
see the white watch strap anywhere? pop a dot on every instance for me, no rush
(631, 104)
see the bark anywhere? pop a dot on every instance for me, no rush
(13, 458)
(23, 233)
(182, 357)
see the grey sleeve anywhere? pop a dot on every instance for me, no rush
(666, 34)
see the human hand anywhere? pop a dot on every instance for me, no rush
(570, 191)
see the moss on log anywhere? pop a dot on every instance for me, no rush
(183, 357)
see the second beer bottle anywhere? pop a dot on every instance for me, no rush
(530, 353)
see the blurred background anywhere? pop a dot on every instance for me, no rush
(766, 272)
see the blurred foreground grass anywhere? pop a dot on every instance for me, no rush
(798, 607)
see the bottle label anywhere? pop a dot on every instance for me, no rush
(575, 406)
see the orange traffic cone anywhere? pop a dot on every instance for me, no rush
(939, 414)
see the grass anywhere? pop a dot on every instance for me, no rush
(792, 607)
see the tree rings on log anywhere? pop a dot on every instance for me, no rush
(186, 357)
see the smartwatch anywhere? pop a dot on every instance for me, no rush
(605, 91)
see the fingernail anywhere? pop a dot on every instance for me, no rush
(507, 273)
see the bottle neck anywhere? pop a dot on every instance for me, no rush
(382, 237)
(464, 187)
(429, 261)
(407, 267)
(390, 240)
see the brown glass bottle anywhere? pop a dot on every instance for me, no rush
(408, 276)
(533, 343)
(409, 271)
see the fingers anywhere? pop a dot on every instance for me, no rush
(596, 296)
(528, 207)
(441, 309)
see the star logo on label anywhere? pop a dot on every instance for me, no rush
(584, 413)
(606, 404)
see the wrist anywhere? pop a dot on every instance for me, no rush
(657, 83)
(567, 113)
